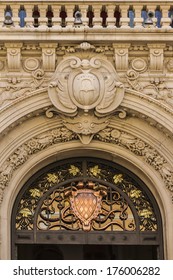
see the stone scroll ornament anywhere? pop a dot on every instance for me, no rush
(85, 92)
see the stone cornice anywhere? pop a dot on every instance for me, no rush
(71, 34)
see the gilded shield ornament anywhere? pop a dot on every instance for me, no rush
(86, 205)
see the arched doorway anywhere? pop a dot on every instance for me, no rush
(86, 208)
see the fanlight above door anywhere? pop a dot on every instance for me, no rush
(85, 195)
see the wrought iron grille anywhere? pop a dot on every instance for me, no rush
(85, 195)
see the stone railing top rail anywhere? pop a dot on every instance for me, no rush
(140, 2)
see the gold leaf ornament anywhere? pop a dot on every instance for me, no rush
(35, 192)
(52, 178)
(25, 212)
(135, 193)
(146, 213)
(118, 178)
(95, 170)
(74, 170)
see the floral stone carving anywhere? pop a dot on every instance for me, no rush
(117, 137)
(140, 148)
(31, 147)
(87, 89)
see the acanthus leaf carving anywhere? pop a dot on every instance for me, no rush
(13, 91)
(132, 78)
(159, 90)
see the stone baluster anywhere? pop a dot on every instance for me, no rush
(83, 9)
(15, 13)
(138, 20)
(29, 18)
(70, 17)
(124, 20)
(152, 7)
(2, 14)
(165, 20)
(42, 19)
(111, 19)
(56, 20)
(97, 20)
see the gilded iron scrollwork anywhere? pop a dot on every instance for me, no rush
(85, 206)
(85, 196)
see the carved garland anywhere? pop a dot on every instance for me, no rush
(140, 148)
(34, 145)
(62, 134)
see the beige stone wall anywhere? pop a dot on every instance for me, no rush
(135, 130)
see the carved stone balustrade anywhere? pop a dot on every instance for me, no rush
(95, 14)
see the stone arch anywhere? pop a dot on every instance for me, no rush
(65, 150)
(137, 105)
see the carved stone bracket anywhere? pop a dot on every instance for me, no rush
(13, 56)
(156, 57)
(121, 52)
(48, 56)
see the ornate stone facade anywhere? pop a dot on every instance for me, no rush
(106, 89)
